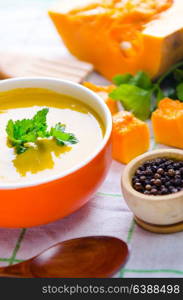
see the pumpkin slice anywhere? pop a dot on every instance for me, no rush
(103, 91)
(167, 123)
(119, 36)
(130, 137)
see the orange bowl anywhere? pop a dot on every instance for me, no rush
(43, 201)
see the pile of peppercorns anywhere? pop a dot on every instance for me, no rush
(161, 176)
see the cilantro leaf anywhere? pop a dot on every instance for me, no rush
(62, 137)
(120, 79)
(142, 80)
(22, 132)
(134, 99)
(40, 122)
(135, 93)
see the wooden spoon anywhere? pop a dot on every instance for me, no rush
(87, 257)
(14, 64)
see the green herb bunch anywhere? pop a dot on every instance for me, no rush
(23, 132)
(140, 95)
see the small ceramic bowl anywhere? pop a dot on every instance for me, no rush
(154, 210)
(46, 200)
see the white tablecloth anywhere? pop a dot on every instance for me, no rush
(24, 25)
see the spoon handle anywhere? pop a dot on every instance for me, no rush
(20, 270)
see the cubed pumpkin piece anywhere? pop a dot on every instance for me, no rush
(104, 91)
(130, 137)
(167, 123)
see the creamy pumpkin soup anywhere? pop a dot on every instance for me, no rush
(68, 131)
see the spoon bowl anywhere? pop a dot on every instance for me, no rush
(86, 257)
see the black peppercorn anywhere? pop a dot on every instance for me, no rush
(142, 178)
(181, 171)
(157, 176)
(174, 190)
(177, 173)
(142, 168)
(157, 182)
(154, 168)
(171, 172)
(148, 187)
(148, 171)
(138, 186)
(139, 173)
(157, 161)
(176, 166)
(160, 171)
(154, 191)
(177, 182)
(164, 191)
(163, 180)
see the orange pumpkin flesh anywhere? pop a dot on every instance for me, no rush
(167, 123)
(130, 137)
(119, 36)
(103, 91)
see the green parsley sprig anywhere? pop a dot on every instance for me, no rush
(23, 132)
(140, 95)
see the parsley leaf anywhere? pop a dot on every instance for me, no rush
(40, 122)
(135, 93)
(120, 79)
(62, 137)
(22, 132)
(142, 80)
(134, 99)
